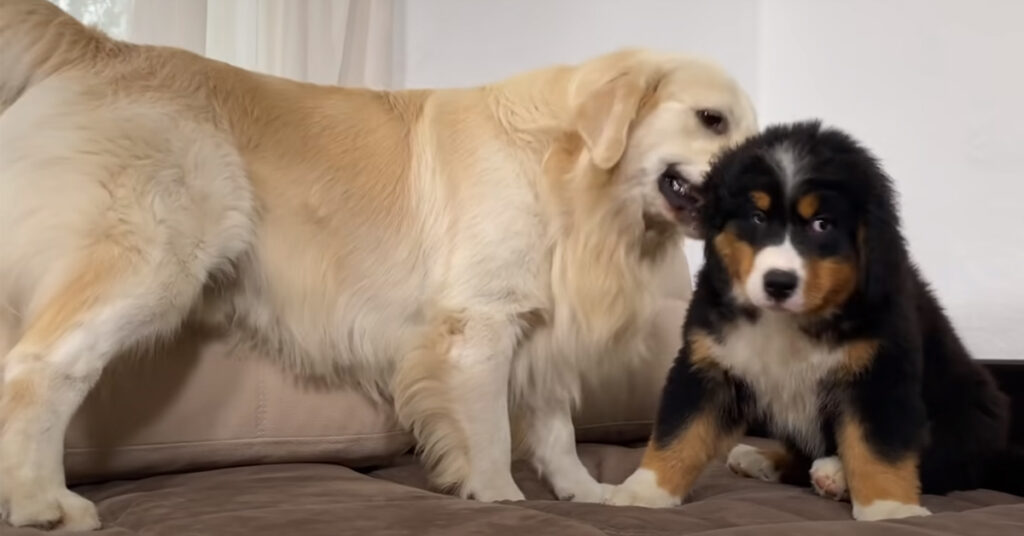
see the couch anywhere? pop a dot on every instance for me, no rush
(209, 440)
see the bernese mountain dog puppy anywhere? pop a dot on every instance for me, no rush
(809, 318)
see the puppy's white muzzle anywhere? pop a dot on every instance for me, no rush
(777, 278)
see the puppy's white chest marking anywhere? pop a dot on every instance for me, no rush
(784, 368)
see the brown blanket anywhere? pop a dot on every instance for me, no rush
(321, 499)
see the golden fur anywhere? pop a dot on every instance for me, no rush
(466, 254)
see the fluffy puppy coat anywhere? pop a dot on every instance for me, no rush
(808, 315)
(470, 255)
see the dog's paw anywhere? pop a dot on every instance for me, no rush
(748, 461)
(641, 489)
(828, 478)
(508, 491)
(585, 492)
(59, 509)
(879, 510)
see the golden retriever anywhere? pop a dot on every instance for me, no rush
(469, 255)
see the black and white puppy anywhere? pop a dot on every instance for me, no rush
(809, 316)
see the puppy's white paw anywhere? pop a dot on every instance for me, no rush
(879, 510)
(56, 509)
(641, 489)
(748, 461)
(828, 478)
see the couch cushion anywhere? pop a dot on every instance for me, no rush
(315, 499)
(201, 403)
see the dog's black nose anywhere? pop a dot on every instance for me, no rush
(779, 284)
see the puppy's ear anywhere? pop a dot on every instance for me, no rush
(883, 253)
(605, 114)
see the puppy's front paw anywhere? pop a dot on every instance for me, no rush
(641, 489)
(751, 462)
(879, 510)
(828, 478)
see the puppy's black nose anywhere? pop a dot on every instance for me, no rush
(779, 284)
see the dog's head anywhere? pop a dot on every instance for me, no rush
(654, 123)
(802, 219)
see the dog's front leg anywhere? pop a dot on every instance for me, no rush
(452, 390)
(880, 435)
(551, 440)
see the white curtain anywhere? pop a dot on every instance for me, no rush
(341, 42)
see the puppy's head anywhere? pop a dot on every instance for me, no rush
(655, 122)
(801, 219)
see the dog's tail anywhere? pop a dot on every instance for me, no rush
(37, 39)
(1005, 471)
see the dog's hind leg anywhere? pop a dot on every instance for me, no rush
(113, 267)
(108, 239)
(109, 303)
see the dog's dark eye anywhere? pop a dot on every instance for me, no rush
(758, 217)
(821, 225)
(712, 120)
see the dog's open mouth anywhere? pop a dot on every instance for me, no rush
(681, 195)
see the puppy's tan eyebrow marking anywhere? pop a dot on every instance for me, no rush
(761, 200)
(807, 206)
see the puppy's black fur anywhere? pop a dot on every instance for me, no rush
(917, 394)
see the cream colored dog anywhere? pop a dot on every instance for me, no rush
(471, 254)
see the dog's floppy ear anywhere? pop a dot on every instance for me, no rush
(883, 253)
(605, 114)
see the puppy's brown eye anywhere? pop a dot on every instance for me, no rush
(821, 225)
(758, 217)
(712, 120)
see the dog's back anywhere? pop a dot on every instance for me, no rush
(37, 39)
